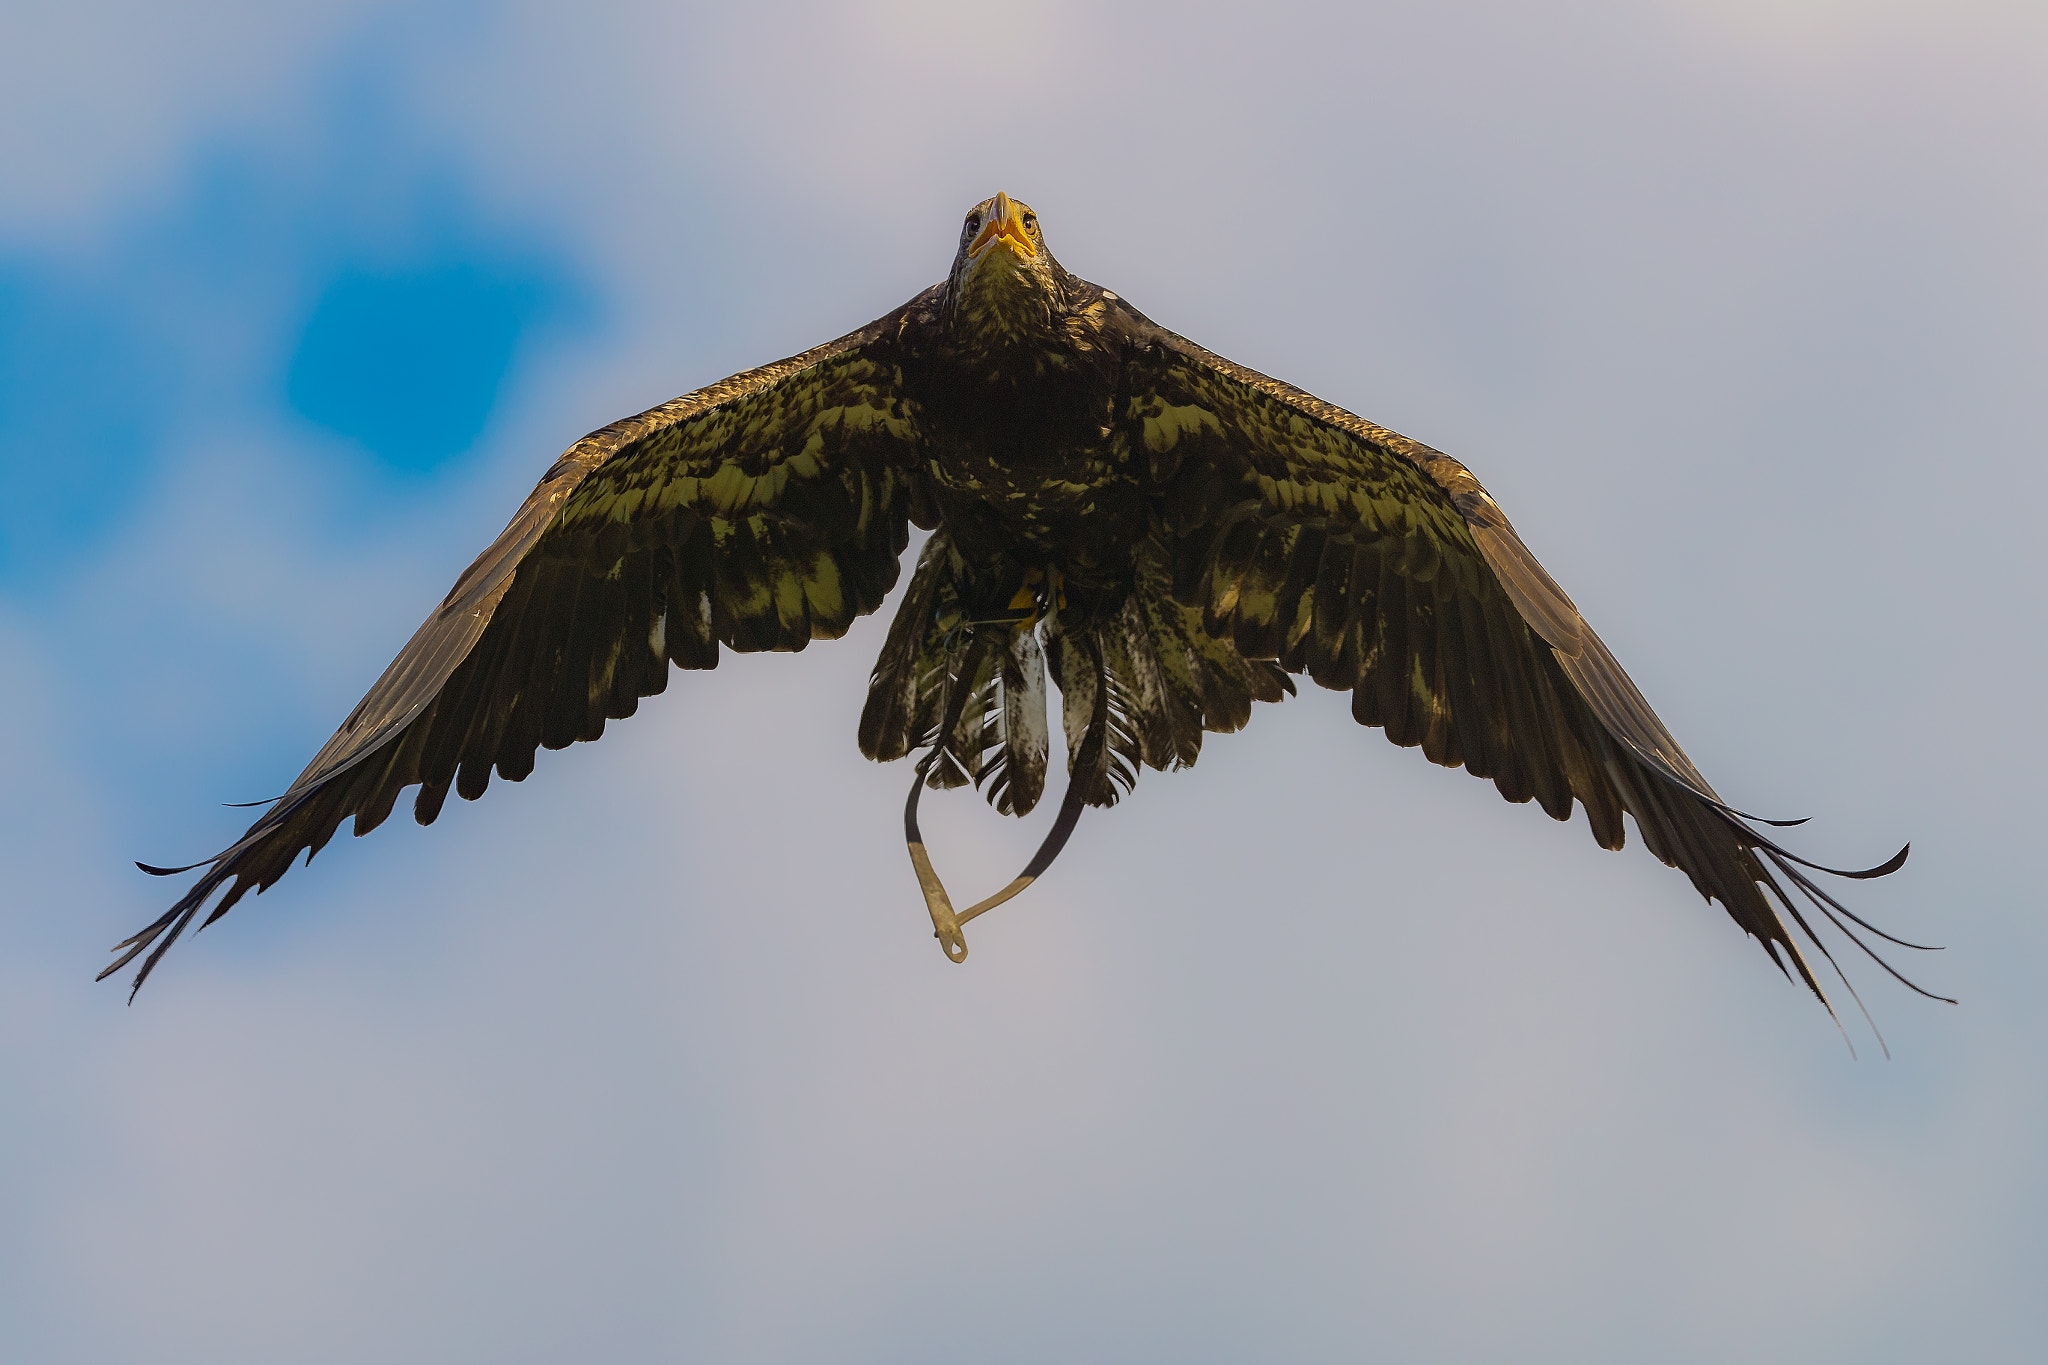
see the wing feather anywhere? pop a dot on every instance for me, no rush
(758, 513)
(1306, 535)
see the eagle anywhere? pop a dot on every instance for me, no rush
(1165, 535)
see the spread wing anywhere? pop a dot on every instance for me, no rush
(760, 513)
(1381, 567)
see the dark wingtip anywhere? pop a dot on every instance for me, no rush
(1883, 869)
(1889, 866)
(170, 871)
(133, 987)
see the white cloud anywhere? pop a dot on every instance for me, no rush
(103, 101)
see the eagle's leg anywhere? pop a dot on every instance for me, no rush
(1026, 600)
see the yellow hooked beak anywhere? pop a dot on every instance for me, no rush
(1005, 224)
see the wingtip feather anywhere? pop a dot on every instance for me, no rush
(156, 871)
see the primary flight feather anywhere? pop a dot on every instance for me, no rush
(1167, 535)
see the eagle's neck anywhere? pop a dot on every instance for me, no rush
(1004, 308)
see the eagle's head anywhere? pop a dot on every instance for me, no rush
(1005, 286)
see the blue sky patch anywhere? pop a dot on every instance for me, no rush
(73, 396)
(351, 282)
(409, 362)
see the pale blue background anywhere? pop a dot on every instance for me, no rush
(1314, 1053)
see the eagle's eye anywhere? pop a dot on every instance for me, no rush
(973, 221)
(1031, 221)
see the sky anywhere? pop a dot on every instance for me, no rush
(1314, 1052)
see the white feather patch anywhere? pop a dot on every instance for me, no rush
(1077, 701)
(1025, 732)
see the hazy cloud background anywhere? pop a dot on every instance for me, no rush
(1315, 1052)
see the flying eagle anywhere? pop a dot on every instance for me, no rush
(1167, 535)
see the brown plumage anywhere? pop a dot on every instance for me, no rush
(1166, 535)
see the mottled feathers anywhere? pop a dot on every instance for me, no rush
(760, 513)
(1382, 568)
(1161, 535)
